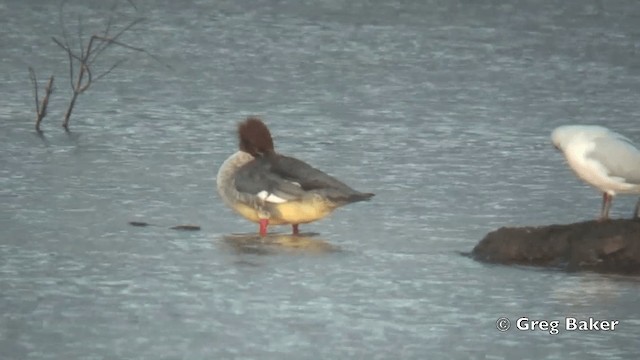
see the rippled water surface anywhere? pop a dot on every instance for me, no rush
(442, 108)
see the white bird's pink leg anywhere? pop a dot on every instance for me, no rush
(606, 205)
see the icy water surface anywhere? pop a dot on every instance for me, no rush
(442, 108)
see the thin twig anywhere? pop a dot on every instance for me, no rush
(109, 70)
(83, 88)
(65, 37)
(71, 56)
(45, 101)
(41, 108)
(112, 40)
(102, 46)
(142, 50)
(107, 28)
(80, 35)
(32, 76)
(132, 5)
(110, 19)
(81, 74)
(115, 42)
(66, 48)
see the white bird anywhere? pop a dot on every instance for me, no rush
(602, 158)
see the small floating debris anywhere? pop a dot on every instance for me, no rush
(186, 227)
(177, 227)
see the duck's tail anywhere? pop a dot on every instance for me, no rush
(360, 197)
(341, 198)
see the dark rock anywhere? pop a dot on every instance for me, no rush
(610, 246)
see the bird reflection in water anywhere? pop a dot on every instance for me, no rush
(274, 243)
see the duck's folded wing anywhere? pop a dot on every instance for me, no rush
(306, 175)
(310, 178)
(258, 179)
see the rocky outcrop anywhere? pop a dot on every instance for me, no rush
(609, 246)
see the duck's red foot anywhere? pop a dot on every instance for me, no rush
(295, 230)
(263, 226)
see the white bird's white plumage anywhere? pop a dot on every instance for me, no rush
(602, 158)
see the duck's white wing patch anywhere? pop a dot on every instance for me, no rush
(264, 195)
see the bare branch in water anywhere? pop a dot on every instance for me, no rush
(48, 90)
(41, 107)
(81, 63)
(83, 55)
(32, 76)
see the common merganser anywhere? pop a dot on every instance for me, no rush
(602, 158)
(268, 188)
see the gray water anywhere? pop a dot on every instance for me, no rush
(442, 108)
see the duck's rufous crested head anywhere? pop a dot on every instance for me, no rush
(255, 137)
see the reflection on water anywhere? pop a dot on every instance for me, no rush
(253, 243)
(589, 288)
(586, 289)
